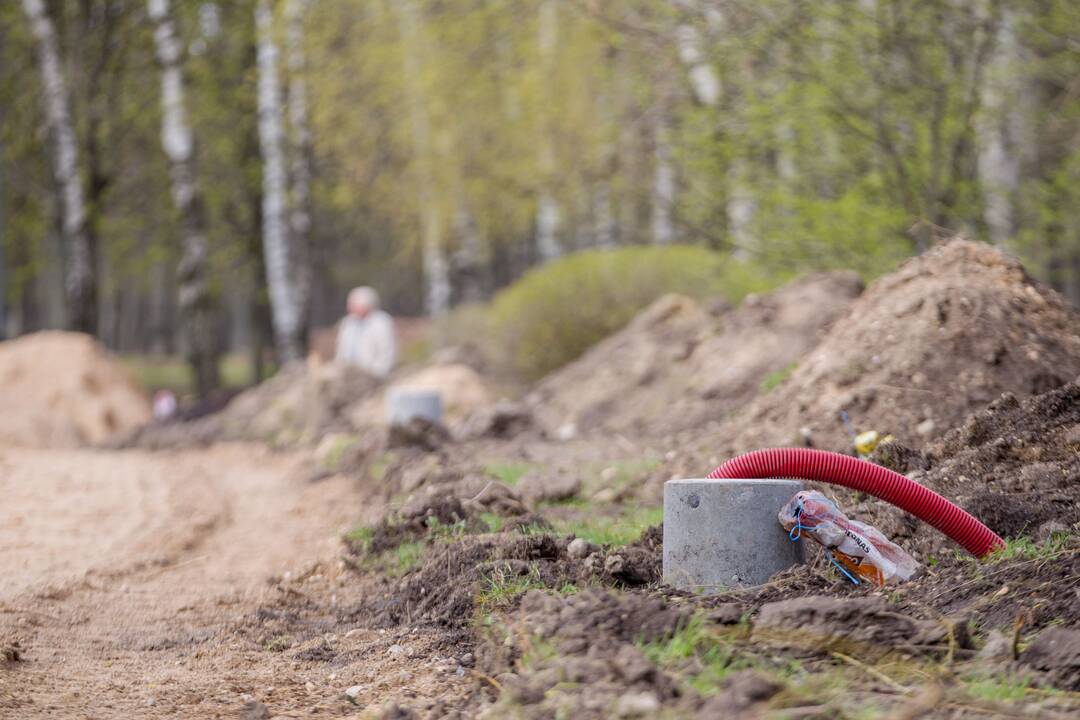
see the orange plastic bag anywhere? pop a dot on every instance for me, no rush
(859, 550)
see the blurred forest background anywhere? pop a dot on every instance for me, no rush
(189, 177)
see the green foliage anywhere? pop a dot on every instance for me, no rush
(613, 531)
(697, 653)
(996, 687)
(556, 312)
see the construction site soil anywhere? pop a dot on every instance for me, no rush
(509, 565)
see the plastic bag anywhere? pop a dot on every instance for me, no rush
(859, 550)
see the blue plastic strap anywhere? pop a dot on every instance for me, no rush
(841, 568)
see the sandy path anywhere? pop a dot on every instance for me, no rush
(126, 575)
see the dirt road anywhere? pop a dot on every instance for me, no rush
(127, 580)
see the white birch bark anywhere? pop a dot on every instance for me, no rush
(300, 149)
(435, 265)
(79, 274)
(663, 186)
(705, 83)
(197, 315)
(280, 279)
(999, 130)
(548, 213)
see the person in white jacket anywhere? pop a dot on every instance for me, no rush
(365, 336)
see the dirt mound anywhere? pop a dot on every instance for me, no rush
(463, 392)
(301, 404)
(924, 346)
(63, 389)
(677, 365)
(1015, 466)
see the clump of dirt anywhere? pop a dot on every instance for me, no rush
(584, 643)
(63, 389)
(924, 346)
(301, 404)
(676, 365)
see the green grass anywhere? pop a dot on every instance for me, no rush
(997, 688)
(700, 656)
(613, 530)
(360, 536)
(508, 472)
(501, 584)
(169, 372)
(777, 378)
(1025, 548)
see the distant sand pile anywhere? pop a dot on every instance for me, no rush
(62, 389)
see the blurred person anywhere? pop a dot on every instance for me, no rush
(365, 336)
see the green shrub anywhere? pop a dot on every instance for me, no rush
(556, 312)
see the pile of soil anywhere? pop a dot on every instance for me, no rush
(462, 389)
(1015, 466)
(301, 404)
(63, 389)
(678, 365)
(923, 347)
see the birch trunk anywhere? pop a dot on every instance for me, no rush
(80, 281)
(1000, 131)
(435, 265)
(196, 306)
(548, 214)
(663, 188)
(301, 152)
(280, 275)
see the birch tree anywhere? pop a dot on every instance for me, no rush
(300, 149)
(80, 276)
(435, 266)
(548, 214)
(281, 279)
(197, 310)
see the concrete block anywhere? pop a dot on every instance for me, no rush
(724, 533)
(404, 404)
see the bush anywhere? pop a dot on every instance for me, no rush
(556, 312)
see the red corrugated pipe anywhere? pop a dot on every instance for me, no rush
(850, 472)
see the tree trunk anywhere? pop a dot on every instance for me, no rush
(663, 187)
(548, 214)
(197, 311)
(301, 157)
(435, 266)
(80, 279)
(280, 275)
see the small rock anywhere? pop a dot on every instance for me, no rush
(309, 686)
(353, 633)
(151, 702)
(580, 548)
(637, 705)
(354, 692)
(997, 647)
(608, 474)
(254, 711)
(926, 427)
(395, 651)
(467, 660)
(566, 432)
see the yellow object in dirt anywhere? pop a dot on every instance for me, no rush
(866, 442)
